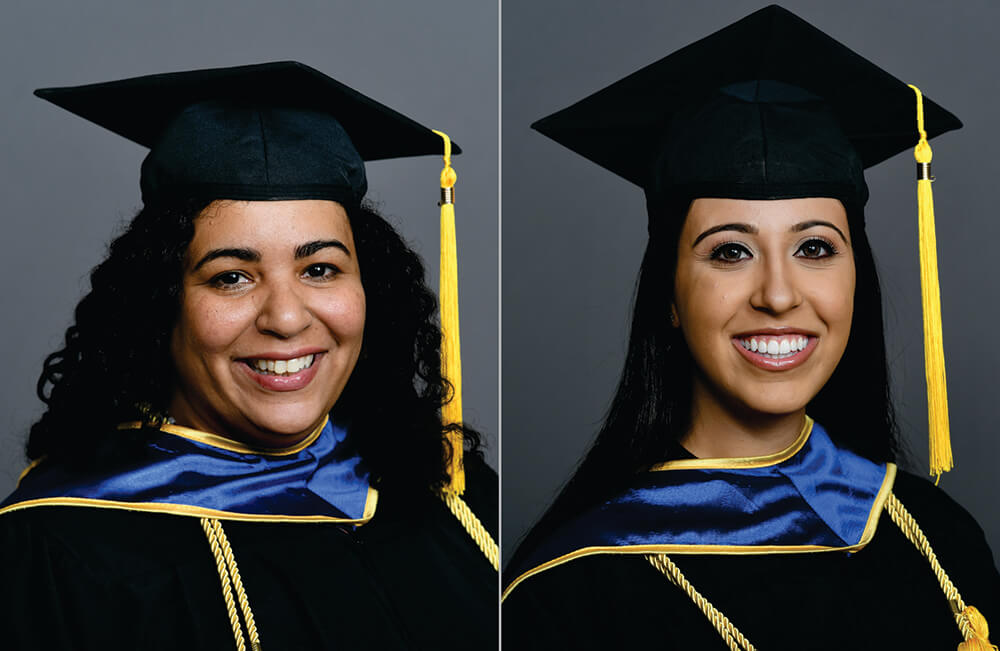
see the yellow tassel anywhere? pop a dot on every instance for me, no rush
(934, 369)
(451, 356)
(977, 622)
(975, 644)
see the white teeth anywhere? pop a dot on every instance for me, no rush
(778, 346)
(282, 366)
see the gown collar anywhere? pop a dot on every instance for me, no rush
(811, 497)
(183, 471)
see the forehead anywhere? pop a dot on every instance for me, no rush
(764, 215)
(266, 224)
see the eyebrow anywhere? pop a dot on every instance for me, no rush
(740, 228)
(798, 228)
(247, 255)
(253, 255)
(311, 248)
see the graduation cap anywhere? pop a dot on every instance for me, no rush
(273, 131)
(768, 108)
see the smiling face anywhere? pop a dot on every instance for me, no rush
(764, 295)
(271, 320)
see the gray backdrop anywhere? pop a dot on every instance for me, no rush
(574, 234)
(68, 185)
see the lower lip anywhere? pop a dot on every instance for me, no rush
(772, 364)
(292, 382)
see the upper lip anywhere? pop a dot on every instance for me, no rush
(285, 356)
(777, 332)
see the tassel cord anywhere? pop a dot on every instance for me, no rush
(451, 353)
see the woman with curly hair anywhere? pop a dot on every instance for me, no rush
(251, 396)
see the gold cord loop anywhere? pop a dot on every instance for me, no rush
(473, 527)
(229, 575)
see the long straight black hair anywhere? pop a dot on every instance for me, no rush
(651, 407)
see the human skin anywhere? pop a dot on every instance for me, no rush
(761, 271)
(272, 281)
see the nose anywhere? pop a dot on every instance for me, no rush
(283, 311)
(777, 291)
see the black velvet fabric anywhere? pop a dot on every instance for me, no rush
(882, 597)
(769, 107)
(88, 578)
(268, 131)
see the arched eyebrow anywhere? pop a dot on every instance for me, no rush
(247, 255)
(739, 228)
(311, 248)
(798, 228)
(252, 255)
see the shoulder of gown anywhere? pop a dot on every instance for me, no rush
(604, 599)
(77, 577)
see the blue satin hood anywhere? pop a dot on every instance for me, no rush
(187, 472)
(813, 496)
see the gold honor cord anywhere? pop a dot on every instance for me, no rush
(473, 527)
(971, 622)
(934, 369)
(229, 575)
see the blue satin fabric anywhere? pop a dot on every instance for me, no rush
(318, 480)
(822, 496)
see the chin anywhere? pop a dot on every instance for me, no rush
(290, 423)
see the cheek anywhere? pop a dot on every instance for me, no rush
(344, 313)
(208, 325)
(835, 302)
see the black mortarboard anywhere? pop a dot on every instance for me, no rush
(259, 132)
(766, 108)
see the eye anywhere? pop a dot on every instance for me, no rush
(321, 271)
(730, 252)
(229, 280)
(815, 249)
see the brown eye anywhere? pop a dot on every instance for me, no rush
(815, 249)
(229, 280)
(321, 271)
(731, 252)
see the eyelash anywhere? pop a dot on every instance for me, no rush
(219, 281)
(325, 267)
(717, 252)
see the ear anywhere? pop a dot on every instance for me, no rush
(674, 319)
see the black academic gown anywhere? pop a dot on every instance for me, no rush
(884, 596)
(89, 578)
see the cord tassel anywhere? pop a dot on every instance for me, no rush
(934, 367)
(451, 355)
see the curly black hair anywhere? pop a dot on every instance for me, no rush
(115, 364)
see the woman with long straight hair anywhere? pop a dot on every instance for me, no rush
(743, 491)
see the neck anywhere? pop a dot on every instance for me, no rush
(722, 431)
